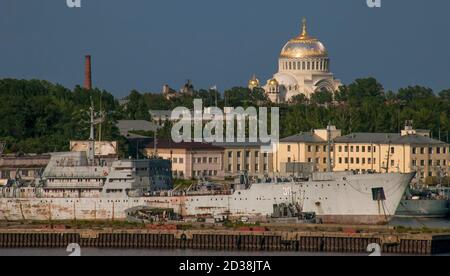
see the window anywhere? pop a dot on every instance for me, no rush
(363, 161)
(324, 148)
(357, 148)
(181, 160)
(265, 167)
(175, 160)
(346, 148)
(205, 159)
(357, 160)
(414, 150)
(430, 150)
(340, 148)
(238, 154)
(210, 160)
(438, 150)
(352, 160)
(422, 150)
(289, 160)
(256, 167)
(340, 160)
(289, 148)
(392, 150)
(239, 167)
(230, 154)
(229, 167)
(351, 149)
(346, 160)
(309, 148)
(256, 154)
(317, 148)
(324, 160)
(364, 149)
(422, 163)
(392, 163)
(430, 162)
(247, 154)
(309, 160)
(216, 160)
(414, 163)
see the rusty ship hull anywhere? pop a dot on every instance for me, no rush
(346, 199)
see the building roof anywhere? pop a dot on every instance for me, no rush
(388, 138)
(241, 144)
(169, 144)
(126, 126)
(304, 137)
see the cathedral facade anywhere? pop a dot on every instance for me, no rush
(303, 68)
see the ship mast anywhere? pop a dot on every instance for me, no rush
(329, 166)
(91, 148)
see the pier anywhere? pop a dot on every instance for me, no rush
(228, 240)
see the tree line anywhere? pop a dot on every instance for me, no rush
(37, 116)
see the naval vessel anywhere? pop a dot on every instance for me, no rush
(79, 186)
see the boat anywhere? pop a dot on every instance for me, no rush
(425, 203)
(81, 186)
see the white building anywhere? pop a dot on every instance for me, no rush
(304, 68)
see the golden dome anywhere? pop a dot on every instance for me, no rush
(273, 82)
(254, 82)
(303, 46)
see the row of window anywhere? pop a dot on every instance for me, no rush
(205, 173)
(437, 163)
(431, 150)
(321, 65)
(206, 160)
(247, 168)
(415, 150)
(357, 160)
(247, 154)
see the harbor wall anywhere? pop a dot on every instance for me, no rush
(227, 241)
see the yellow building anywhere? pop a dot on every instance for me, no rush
(249, 157)
(408, 151)
(305, 147)
(190, 160)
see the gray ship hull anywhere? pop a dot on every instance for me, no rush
(348, 199)
(424, 208)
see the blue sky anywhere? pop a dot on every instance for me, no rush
(143, 44)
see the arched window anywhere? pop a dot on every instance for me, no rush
(295, 66)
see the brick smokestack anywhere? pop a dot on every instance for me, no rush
(87, 73)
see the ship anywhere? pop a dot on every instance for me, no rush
(425, 203)
(79, 186)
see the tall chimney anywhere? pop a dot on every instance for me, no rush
(87, 73)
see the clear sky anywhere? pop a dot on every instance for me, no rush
(143, 44)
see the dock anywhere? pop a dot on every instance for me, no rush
(228, 240)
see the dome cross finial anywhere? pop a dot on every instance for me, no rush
(304, 28)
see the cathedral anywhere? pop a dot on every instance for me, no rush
(303, 68)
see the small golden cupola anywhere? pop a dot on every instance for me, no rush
(253, 82)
